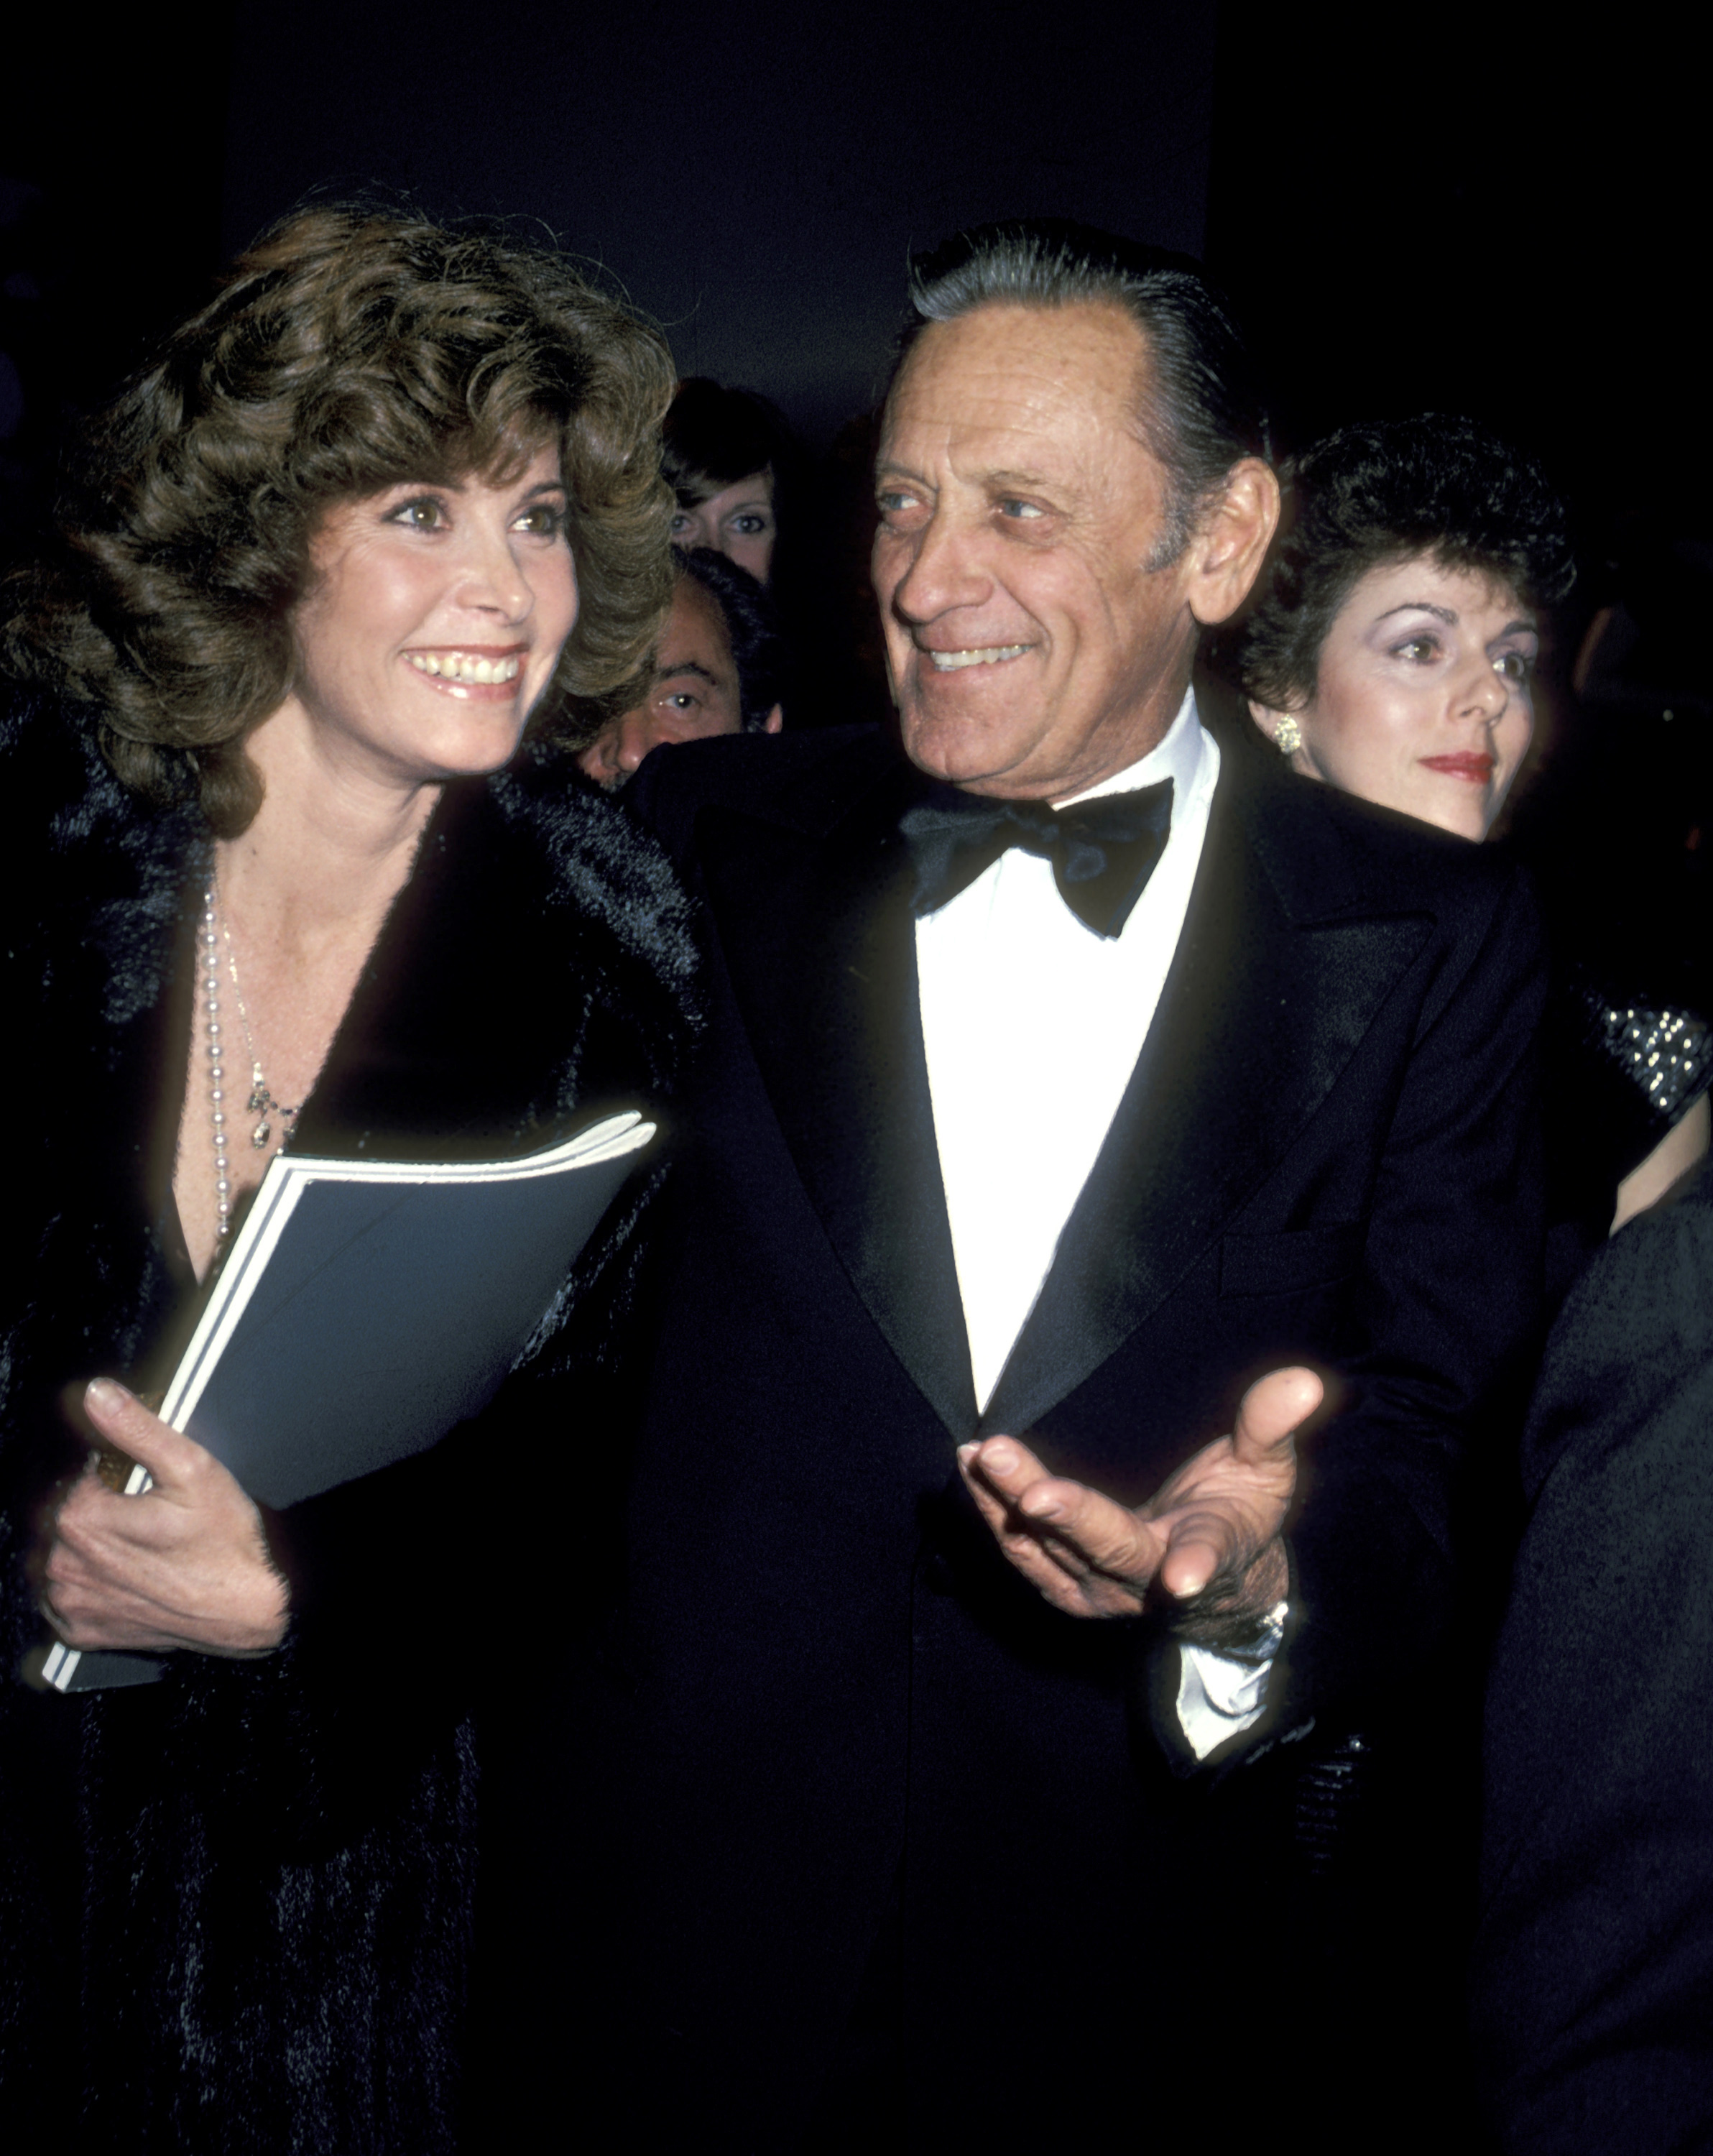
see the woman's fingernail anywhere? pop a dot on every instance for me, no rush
(103, 1392)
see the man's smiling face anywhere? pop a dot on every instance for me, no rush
(1033, 648)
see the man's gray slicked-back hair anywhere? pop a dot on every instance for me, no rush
(1202, 407)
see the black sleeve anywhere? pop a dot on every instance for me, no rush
(1397, 1488)
(1594, 1973)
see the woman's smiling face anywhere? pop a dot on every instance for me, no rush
(1421, 698)
(435, 622)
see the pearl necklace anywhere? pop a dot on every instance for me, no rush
(261, 1101)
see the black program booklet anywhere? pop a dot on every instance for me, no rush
(365, 1308)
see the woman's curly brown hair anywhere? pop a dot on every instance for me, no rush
(349, 350)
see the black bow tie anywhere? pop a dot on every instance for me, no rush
(1103, 851)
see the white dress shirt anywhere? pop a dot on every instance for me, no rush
(1033, 1024)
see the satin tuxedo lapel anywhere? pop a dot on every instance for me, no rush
(817, 932)
(1277, 977)
(1279, 973)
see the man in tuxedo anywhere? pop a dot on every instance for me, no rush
(1026, 1141)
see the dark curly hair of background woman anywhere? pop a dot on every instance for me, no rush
(1379, 492)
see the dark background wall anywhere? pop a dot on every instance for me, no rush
(1474, 210)
(1490, 210)
(754, 175)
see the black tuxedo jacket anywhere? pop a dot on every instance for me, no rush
(826, 1682)
(1594, 1970)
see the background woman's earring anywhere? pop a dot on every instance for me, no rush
(1287, 735)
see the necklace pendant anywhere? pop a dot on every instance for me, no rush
(261, 1134)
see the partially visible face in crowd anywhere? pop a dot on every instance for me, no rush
(694, 692)
(1422, 701)
(1034, 644)
(737, 522)
(434, 622)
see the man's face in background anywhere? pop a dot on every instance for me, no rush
(693, 692)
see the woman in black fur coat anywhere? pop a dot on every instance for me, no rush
(345, 565)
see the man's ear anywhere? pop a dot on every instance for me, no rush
(1231, 539)
(776, 719)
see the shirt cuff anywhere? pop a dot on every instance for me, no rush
(1219, 1695)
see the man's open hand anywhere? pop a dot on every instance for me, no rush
(185, 1565)
(1210, 1539)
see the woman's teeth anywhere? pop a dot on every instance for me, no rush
(944, 661)
(454, 667)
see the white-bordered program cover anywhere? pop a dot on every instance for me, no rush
(289, 1177)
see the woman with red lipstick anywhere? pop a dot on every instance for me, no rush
(1389, 651)
(341, 571)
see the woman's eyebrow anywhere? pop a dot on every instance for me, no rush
(1447, 614)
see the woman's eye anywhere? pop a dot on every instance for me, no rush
(680, 522)
(424, 513)
(1420, 651)
(546, 521)
(749, 525)
(1514, 666)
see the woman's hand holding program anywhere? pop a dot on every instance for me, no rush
(183, 1565)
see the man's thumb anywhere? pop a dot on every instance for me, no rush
(1273, 1410)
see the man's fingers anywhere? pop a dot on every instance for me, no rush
(998, 1474)
(1097, 1532)
(993, 1508)
(1215, 1525)
(1272, 1411)
(1079, 1530)
(1003, 1464)
(1012, 1489)
(1226, 1507)
(1200, 1544)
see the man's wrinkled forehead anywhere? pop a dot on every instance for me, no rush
(1006, 369)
